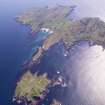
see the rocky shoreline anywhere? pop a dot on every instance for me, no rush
(64, 34)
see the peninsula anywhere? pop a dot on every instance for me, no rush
(56, 21)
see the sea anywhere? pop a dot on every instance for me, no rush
(14, 44)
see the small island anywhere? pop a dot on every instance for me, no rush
(55, 21)
(31, 85)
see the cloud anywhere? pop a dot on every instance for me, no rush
(89, 74)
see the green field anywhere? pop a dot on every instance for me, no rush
(31, 85)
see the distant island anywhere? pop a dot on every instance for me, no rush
(32, 87)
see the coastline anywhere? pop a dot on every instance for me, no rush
(70, 33)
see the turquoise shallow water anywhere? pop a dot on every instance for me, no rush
(37, 41)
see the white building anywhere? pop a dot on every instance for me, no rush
(45, 29)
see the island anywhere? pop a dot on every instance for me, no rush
(34, 85)
(30, 83)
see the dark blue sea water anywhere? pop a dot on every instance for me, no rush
(14, 47)
(12, 51)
